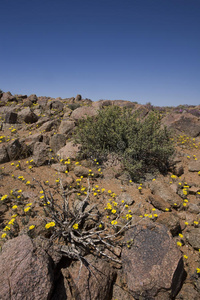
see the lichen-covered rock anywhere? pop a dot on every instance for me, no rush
(151, 261)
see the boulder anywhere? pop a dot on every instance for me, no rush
(59, 168)
(151, 261)
(95, 285)
(159, 202)
(128, 199)
(178, 170)
(185, 123)
(83, 112)
(40, 154)
(194, 166)
(56, 105)
(66, 127)
(11, 118)
(3, 154)
(78, 98)
(26, 272)
(81, 171)
(33, 98)
(69, 150)
(193, 237)
(163, 190)
(27, 115)
(27, 103)
(171, 221)
(48, 126)
(188, 292)
(14, 150)
(57, 141)
(7, 97)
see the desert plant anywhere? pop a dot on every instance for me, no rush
(73, 106)
(69, 225)
(143, 144)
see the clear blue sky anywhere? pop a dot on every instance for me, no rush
(137, 50)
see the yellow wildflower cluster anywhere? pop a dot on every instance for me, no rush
(49, 225)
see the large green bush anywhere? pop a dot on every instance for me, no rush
(144, 145)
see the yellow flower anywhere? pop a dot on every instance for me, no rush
(11, 221)
(29, 204)
(31, 227)
(14, 216)
(109, 192)
(128, 216)
(27, 209)
(100, 225)
(179, 244)
(75, 226)
(186, 223)
(109, 206)
(113, 211)
(185, 256)
(181, 236)
(114, 222)
(198, 270)
(4, 197)
(166, 209)
(6, 228)
(28, 182)
(3, 235)
(41, 192)
(51, 224)
(41, 197)
(14, 207)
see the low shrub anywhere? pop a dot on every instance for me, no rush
(144, 145)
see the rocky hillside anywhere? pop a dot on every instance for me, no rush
(76, 228)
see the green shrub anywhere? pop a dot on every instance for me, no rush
(143, 144)
(73, 106)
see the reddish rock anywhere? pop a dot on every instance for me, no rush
(26, 272)
(171, 221)
(152, 262)
(69, 150)
(159, 202)
(94, 286)
(163, 190)
(186, 123)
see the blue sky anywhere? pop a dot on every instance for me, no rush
(137, 50)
